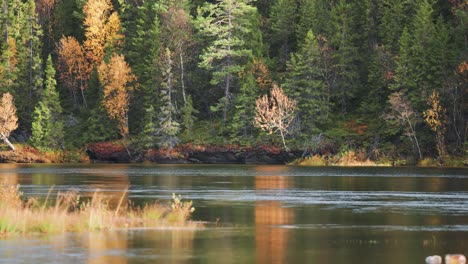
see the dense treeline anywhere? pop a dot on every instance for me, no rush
(386, 78)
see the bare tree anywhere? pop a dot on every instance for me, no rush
(275, 113)
(403, 114)
(8, 118)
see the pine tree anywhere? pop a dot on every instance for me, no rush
(168, 127)
(283, 17)
(148, 137)
(306, 84)
(27, 34)
(313, 15)
(188, 119)
(346, 55)
(47, 125)
(144, 52)
(244, 108)
(225, 22)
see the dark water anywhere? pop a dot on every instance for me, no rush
(266, 214)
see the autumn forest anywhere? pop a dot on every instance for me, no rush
(383, 79)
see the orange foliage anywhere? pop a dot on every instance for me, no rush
(261, 74)
(354, 127)
(116, 78)
(275, 113)
(101, 28)
(463, 68)
(73, 67)
(8, 118)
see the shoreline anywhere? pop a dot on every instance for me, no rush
(111, 152)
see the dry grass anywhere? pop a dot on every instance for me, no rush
(69, 213)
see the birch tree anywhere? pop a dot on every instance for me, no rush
(8, 118)
(275, 113)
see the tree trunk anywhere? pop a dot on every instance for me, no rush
(5, 139)
(182, 77)
(284, 143)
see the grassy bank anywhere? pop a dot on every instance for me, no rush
(351, 158)
(70, 213)
(26, 154)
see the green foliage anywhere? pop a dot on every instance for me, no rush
(241, 127)
(341, 60)
(143, 54)
(168, 128)
(225, 23)
(47, 126)
(188, 119)
(283, 18)
(305, 82)
(149, 135)
(99, 127)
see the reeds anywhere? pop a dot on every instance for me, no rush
(71, 213)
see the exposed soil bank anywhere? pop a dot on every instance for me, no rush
(108, 152)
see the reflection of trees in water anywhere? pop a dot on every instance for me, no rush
(11, 177)
(113, 186)
(166, 246)
(272, 241)
(107, 247)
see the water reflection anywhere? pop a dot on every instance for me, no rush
(271, 241)
(113, 185)
(11, 177)
(107, 247)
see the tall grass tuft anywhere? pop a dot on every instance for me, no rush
(70, 213)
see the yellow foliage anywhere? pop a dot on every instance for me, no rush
(8, 118)
(73, 66)
(117, 79)
(102, 28)
(435, 118)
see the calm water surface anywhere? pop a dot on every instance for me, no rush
(266, 214)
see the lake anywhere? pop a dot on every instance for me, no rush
(259, 214)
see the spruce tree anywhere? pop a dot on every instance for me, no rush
(244, 109)
(346, 55)
(168, 126)
(47, 125)
(188, 119)
(306, 84)
(283, 17)
(143, 53)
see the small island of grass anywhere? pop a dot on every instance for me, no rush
(69, 212)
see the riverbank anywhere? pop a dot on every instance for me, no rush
(115, 152)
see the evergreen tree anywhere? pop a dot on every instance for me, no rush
(313, 15)
(306, 84)
(188, 118)
(168, 127)
(346, 55)
(283, 17)
(144, 52)
(244, 109)
(26, 32)
(149, 135)
(225, 22)
(47, 125)
(396, 16)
